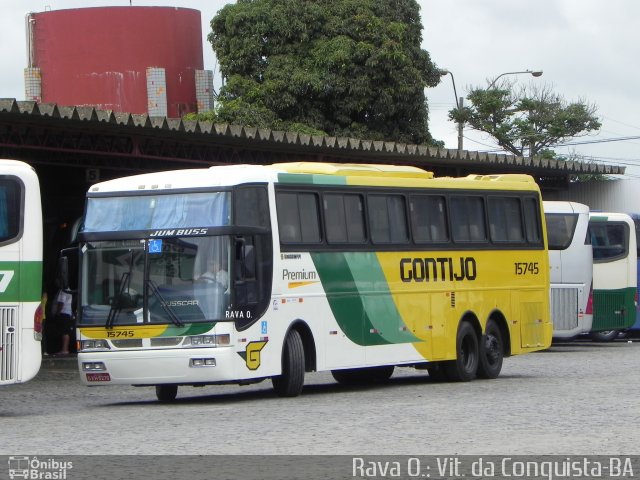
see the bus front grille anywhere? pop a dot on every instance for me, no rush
(9, 332)
(564, 308)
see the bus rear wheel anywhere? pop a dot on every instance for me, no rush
(290, 382)
(166, 393)
(605, 336)
(491, 351)
(465, 367)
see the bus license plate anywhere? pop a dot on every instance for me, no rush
(98, 377)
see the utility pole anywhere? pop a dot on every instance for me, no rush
(460, 125)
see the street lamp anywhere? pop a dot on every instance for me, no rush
(459, 103)
(534, 73)
(460, 100)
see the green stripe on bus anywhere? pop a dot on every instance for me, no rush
(20, 281)
(308, 178)
(360, 299)
(187, 329)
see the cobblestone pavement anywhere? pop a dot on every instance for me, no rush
(576, 398)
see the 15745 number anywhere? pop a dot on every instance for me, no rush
(524, 268)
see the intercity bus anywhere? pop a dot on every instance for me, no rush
(635, 328)
(615, 266)
(571, 265)
(21, 313)
(348, 268)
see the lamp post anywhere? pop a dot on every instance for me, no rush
(459, 103)
(460, 100)
(534, 73)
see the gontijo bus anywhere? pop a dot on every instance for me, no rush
(20, 272)
(349, 268)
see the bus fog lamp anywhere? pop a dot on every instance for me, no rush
(202, 362)
(93, 367)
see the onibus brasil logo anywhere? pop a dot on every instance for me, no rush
(36, 469)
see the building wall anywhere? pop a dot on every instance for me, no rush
(100, 56)
(620, 195)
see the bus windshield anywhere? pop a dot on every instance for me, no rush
(171, 280)
(155, 212)
(560, 229)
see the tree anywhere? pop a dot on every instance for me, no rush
(342, 67)
(532, 119)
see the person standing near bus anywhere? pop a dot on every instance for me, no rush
(64, 319)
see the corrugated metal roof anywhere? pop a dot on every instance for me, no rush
(291, 141)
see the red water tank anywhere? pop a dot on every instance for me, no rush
(99, 56)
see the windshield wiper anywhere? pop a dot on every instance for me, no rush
(118, 301)
(163, 303)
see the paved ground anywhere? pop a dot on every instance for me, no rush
(580, 398)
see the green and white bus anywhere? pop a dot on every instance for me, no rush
(21, 313)
(615, 294)
(353, 269)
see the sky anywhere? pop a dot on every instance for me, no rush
(587, 49)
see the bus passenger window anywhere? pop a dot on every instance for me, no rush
(344, 218)
(467, 219)
(428, 219)
(387, 219)
(9, 209)
(298, 219)
(505, 219)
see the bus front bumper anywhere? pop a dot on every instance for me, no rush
(154, 367)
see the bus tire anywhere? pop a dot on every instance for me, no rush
(491, 351)
(355, 376)
(604, 336)
(465, 367)
(290, 382)
(166, 393)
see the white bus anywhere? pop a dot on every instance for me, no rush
(571, 264)
(20, 272)
(235, 274)
(615, 295)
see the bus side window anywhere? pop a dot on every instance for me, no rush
(344, 218)
(428, 219)
(467, 219)
(298, 219)
(9, 209)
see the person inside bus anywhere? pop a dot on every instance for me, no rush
(215, 273)
(64, 318)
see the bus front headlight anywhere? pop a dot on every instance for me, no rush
(94, 345)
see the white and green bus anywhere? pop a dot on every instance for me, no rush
(236, 274)
(21, 314)
(615, 294)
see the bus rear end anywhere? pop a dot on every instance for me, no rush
(571, 266)
(613, 238)
(20, 272)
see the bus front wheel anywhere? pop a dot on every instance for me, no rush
(166, 393)
(465, 367)
(290, 382)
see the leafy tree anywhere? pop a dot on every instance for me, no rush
(532, 119)
(342, 67)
